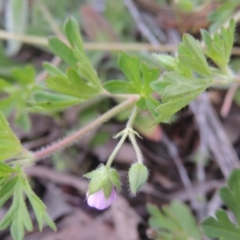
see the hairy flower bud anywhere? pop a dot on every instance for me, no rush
(101, 189)
(137, 175)
(99, 201)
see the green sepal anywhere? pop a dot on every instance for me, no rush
(98, 180)
(107, 189)
(115, 178)
(137, 175)
(103, 178)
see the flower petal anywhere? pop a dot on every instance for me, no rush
(98, 200)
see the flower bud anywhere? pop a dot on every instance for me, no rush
(101, 189)
(137, 175)
(99, 201)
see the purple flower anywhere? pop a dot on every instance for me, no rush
(99, 201)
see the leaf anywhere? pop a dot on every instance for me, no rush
(52, 70)
(73, 85)
(62, 50)
(73, 33)
(78, 82)
(16, 19)
(220, 226)
(24, 75)
(130, 66)
(10, 145)
(118, 86)
(166, 110)
(174, 222)
(5, 170)
(18, 216)
(174, 85)
(86, 70)
(219, 47)
(49, 101)
(165, 61)
(222, 14)
(176, 92)
(18, 209)
(148, 76)
(139, 74)
(191, 56)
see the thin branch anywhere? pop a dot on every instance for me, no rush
(111, 47)
(47, 151)
(52, 23)
(227, 103)
(140, 23)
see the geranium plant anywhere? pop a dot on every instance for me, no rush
(145, 88)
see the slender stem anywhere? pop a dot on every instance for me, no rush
(47, 151)
(116, 149)
(126, 132)
(132, 117)
(51, 21)
(43, 41)
(136, 147)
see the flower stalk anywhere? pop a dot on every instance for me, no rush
(58, 145)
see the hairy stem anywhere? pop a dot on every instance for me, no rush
(47, 151)
(125, 132)
(136, 147)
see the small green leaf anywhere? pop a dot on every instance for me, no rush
(166, 110)
(85, 69)
(219, 47)
(190, 54)
(49, 101)
(167, 62)
(148, 76)
(85, 89)
(72, 32)
(18, 215)
(10, 145)
(5, 170)
(118, 86)
(24, 75)
(220, 226)
(173, 222)
(222, 14)
(62, 50)
(174, 85)
(176, 92)
(130, 66)
(52, 70)
(7, 189)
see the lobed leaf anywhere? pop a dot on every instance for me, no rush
(220, 226)
(174, 222)
(190, 54)
(10, 145)
(219, 47)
